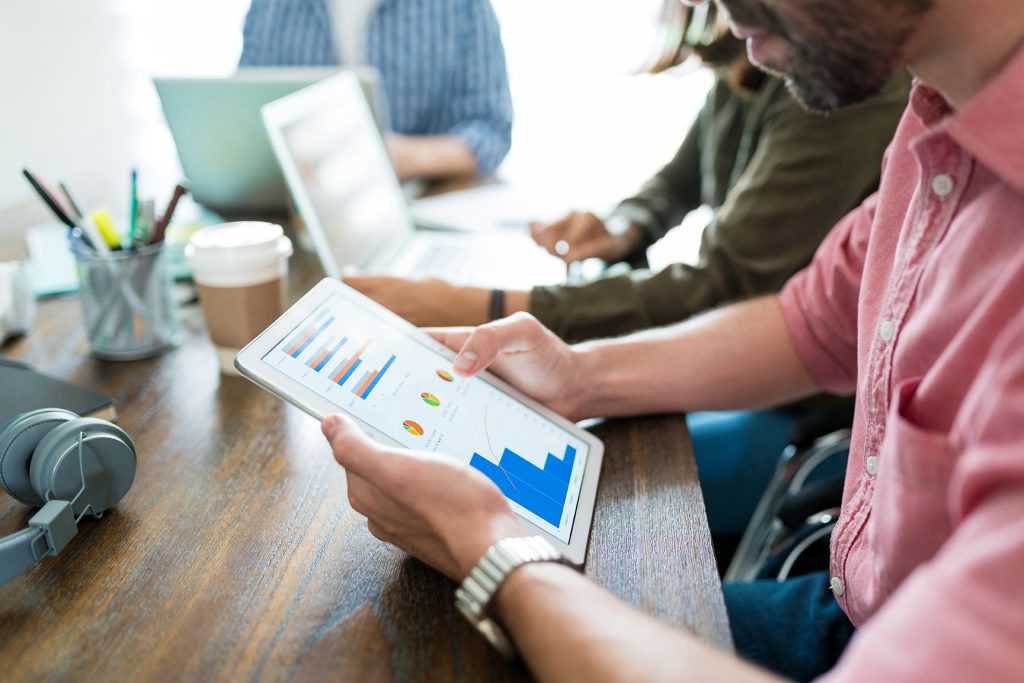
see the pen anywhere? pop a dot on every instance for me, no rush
(165, 219)
(55, 205)
(93, 236)
(71, 200)
(132, 220)
(49, 198)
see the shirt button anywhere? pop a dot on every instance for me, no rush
(836, 584)
(872, 465)
(886, 330)
(942, 184)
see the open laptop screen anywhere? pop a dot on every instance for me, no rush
(338, 171)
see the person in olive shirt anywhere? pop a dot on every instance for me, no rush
(777, 178)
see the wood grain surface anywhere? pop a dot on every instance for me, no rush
(235, 555)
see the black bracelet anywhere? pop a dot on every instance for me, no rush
(496, 309)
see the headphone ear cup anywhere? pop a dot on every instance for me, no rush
(108, 465)
(18, 442)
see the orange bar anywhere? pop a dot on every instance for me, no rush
(302, 340)
(316, 361)
(367, 383)
(351, 361)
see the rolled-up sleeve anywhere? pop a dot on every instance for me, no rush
(481, 107)
(960, 616)
(820, 303)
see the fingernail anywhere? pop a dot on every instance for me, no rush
(465, 362)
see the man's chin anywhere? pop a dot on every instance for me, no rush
(810, 98)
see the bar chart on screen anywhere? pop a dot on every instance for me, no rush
(407, 390)
(338, 356)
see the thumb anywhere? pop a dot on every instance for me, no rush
(353, 449)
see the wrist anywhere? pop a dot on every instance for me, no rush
(516, 301)
(586, 373)
(515, 593)
(473, 310)
(477, 595)
(468, 555)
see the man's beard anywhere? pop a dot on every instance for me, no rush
(837, 55)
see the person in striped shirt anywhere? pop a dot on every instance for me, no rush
(442, 64)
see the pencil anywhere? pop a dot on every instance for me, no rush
(71, 200)
(165, 219)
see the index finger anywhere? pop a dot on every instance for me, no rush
(548, 235)
(452, 337)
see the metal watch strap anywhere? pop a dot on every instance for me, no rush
(474, 596)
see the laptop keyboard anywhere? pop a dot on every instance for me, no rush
(455, 263)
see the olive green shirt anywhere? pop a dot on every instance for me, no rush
(778, 178)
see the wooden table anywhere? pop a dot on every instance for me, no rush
(235, 556)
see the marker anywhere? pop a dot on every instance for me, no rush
(146, 222)
(105, 225)
(132, 220)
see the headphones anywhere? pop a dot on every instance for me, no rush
(68, 466)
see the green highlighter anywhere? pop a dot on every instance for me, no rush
(132, 219)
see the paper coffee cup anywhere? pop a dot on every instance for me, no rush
(241, 275)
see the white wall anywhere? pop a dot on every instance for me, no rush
(76, 93)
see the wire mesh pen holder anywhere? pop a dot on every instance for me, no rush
(127, 305)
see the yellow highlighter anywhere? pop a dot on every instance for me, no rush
(105, 222)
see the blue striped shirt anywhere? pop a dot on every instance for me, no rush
(441, 61)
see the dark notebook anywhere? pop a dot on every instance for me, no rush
(23, 389)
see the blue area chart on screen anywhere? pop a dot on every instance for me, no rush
(415, 399)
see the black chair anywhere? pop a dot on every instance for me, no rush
(789, 532)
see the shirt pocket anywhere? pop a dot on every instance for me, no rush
(909, 512)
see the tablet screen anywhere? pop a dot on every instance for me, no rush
(407, 391)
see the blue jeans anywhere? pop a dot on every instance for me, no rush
(736, 455)
(794, 627)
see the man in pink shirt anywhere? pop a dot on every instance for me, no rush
(914, 302)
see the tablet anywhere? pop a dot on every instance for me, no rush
(337, 351)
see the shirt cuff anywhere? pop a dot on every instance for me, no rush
(488, 146)
(824, 367)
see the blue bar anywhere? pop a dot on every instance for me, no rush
(355, 387)
(376, 379)
(298, 351)
(329, 356)
(350, 371)
(541, 491)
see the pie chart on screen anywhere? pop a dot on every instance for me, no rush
(445, 375)
(413, 428)
(430, 399)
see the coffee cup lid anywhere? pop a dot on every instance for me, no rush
(231, 246)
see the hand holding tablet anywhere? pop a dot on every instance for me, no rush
(337, 351)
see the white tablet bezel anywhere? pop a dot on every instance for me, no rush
(249, 362)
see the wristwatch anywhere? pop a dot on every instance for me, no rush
(474, 596)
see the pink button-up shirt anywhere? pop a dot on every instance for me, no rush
(916, 302)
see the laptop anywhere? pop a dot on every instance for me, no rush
(223, 147)
(342, 182)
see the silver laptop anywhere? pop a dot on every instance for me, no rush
(337, 168)
(220, 138)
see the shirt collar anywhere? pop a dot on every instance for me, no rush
(988, 126)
